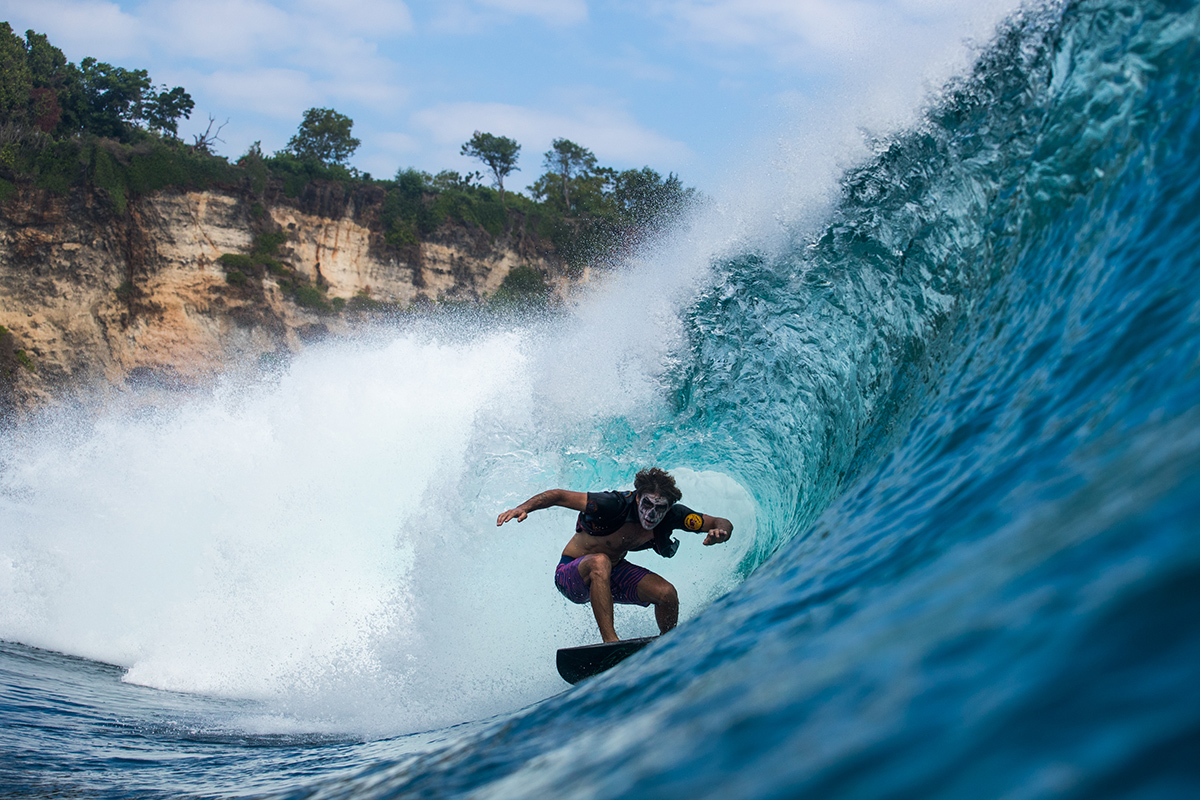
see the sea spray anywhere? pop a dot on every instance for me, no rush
(324, 538)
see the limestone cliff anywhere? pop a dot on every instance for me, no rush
(92, 298)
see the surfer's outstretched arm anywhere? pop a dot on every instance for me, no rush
(719, 529)
(551, 497)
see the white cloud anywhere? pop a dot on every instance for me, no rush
(770, 23)
(383, 152)
(611, 133)
(813, 31)
(878, 56)
(381, 97)
(284, 94)
(239, 55)
(372, 18)
(87, 28)
(635, 64)
(274, 92)
(397, 143)
(222, 31)
(483, 16)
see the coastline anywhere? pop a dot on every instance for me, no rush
(95, 300)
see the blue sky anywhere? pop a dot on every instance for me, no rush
(698, 87)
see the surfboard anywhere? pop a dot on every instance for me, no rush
(577, 663)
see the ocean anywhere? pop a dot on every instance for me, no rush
(953, 415)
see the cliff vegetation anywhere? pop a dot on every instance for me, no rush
(128, 254)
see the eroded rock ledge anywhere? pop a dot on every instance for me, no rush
(89, 297)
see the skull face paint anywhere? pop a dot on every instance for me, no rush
(651, 510)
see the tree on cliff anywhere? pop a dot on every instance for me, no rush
(161, 110)
(15, 80)
(36, 80)
(324, 136)
(566, 162)
(111, 96)
(116, 99)
(644, 198)
(55, 98)
(498, 152)
(40, 88)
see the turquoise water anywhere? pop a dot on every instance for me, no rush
(956, 426)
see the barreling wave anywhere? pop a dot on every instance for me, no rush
(808, 368)
(978, 380)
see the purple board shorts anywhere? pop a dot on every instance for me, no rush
(624, 580)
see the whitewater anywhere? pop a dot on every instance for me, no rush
(951, 408)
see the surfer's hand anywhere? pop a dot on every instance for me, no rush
(716, 536)
(512, 512)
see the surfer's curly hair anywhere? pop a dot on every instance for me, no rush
(655, 481)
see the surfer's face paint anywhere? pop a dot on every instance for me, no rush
(651, 510)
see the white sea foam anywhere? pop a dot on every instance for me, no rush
(325, 541)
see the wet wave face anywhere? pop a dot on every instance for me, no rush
(955, 423)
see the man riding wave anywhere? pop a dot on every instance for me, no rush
(610, 524)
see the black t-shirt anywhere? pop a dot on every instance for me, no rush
(607, 511)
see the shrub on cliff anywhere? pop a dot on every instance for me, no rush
(295, 173)
(237, 261)
(310, 296)
(262, 258)
(418, 202)
(248, 270)
(523, 286)
(125, 171)
(594, 210)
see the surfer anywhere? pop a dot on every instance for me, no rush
(610, 524)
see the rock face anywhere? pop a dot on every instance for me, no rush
(94, 300)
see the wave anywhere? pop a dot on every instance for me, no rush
(955, 424)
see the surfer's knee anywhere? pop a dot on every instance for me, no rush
(595, 566)
(659, 591)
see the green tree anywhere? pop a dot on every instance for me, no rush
(324, 136)
(498, 152)
(162, 110)
(39, 87)
(112, 97)
(450, 181)
(643, 197)
(16, 80)
(567, 161)
(47, 63)
(57, 97)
